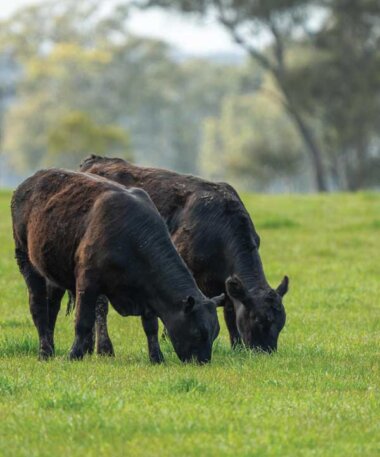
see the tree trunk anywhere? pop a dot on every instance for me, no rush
(304, 131)
(312, 147)
(279, 73)
(361, 156)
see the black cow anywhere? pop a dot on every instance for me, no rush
(215, 236)
(94, 237)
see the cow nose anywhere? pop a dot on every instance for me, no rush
(267, 348)
(204, 357)
(199, 359)
(185, 358)
(203, 360)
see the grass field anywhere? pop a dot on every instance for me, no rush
(318, 396)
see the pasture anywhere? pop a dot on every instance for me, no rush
(318, 396)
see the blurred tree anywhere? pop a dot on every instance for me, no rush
(54, 85)
(252, 138)
(60, 49)
(77, 64)
(24, 133)
(81, 58)
(35, 29)
(163, 101)
(279, 23)
(71, 139)
(338, 82)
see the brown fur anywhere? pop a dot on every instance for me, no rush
(94, 237)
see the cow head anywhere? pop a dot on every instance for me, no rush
(260, 314)
(194, 328)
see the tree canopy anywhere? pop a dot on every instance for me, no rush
(302, 111)
(331, 91)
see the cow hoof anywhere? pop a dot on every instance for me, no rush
(105, 349)
(45, 354)
(89, 348)
(76, 354)
(46, 351)
(156, 357)
(237, 344)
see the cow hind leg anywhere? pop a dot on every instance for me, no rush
(37, 302)
(54, 298)
(150, 325)
(103, 341)
(230, 318)
(86, 295)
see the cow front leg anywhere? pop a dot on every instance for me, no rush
(103, 341)
(150, 324)
(230, 318)
(90, 342)
(86, 296)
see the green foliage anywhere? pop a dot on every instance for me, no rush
(32, 30)
(251, 140)
(60, 91)
(71, 140)
(321, 58)
(338, 82)
(317, 396)
(332, 95)
(93, 65)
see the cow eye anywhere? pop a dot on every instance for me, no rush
(276, 308)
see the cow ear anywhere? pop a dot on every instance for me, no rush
(235, 288)
(189, 304)
(283, 287)
(218, 301)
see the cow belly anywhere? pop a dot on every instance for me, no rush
(127, 308)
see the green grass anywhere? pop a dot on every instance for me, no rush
(318, 396)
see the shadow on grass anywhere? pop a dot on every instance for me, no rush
(324, 253)
(8, 386)
(369, 195)
(274, 223)
(11, 347)
(186, 385)
(69, 401)
(24, 346)
(13, 323)
(11, 386)
(375, 224)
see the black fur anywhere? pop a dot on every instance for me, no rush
(215, 236)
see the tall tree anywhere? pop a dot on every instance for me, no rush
(253, 143)
(278, 22)
(339, 83)
(78, 58)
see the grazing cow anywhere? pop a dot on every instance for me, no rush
(215, 236)
(91, 236)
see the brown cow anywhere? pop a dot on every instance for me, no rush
(94, 237)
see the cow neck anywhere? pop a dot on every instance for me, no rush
(172, 284)
(249, 268)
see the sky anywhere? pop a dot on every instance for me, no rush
(188, 34)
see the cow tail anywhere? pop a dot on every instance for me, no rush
(70, 304)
